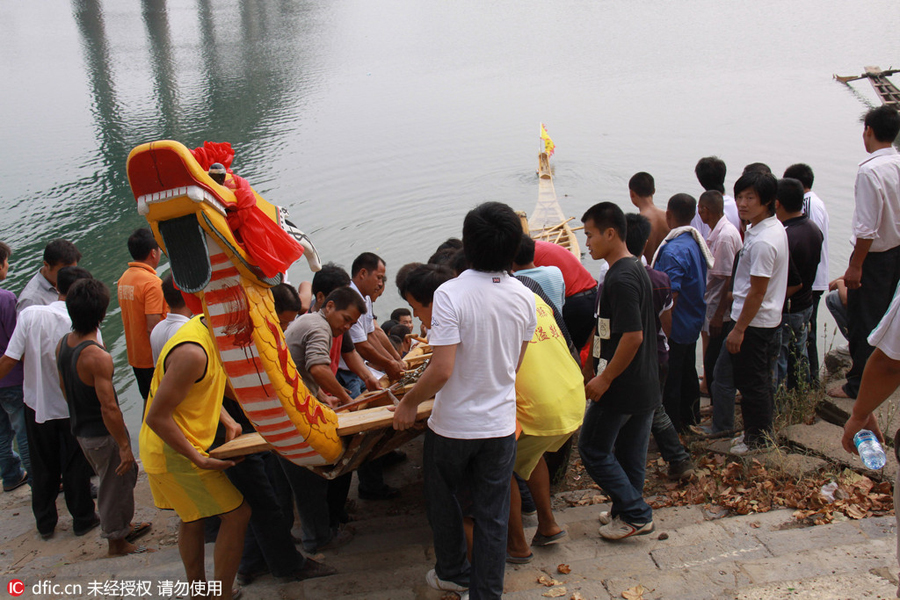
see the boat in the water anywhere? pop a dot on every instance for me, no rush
(884, 87)
(548, 222)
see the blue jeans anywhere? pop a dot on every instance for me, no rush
(792, 366)
(352, 382)
(723, 389)
(481, 468)
(839, 312)
(670, 446)
(12, 425)
(613, 449)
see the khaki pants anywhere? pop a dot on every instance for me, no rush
(115, 496)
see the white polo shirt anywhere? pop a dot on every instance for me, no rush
(814, 208)
(886, 336)
(34, 340)
(488, 316)
(164, 330)
(765, 254)
(876, 216)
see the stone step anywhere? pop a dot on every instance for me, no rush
(823, 439)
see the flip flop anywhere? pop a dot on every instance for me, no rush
(547, 540)
(137, 531)
(519, 560)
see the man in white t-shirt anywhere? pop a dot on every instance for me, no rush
(880, 379)
(178, 315)
(760, 287)
(724, 243)
(55, 453)
(814, 208)
(874, 268)
(710, 172)
(481, 323)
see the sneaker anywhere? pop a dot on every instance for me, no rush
(617, 529)
(437, 583)
(738, 440)
(605, 517)
(683, 469)
(740, 448)
(90, 527)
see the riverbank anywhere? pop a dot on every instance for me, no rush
(709, 541)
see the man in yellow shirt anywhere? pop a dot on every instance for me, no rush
(143, 306)
(179, 425)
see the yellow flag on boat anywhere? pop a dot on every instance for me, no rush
(549, 146)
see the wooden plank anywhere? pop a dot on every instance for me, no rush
(348, 424)
(375, 418)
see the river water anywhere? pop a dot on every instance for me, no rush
(379, 124)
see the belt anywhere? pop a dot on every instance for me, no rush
(583, 293)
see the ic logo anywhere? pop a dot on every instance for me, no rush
(15, 587)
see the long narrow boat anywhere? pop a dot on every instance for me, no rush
(548, 222)
(884, 87)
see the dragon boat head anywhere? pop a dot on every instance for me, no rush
(183, 205)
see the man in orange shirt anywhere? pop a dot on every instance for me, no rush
(143, 306)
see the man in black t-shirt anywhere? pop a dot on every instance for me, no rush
(805, 244)
(624, 391)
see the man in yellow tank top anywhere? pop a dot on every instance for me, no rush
(179, 426)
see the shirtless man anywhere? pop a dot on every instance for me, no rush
(642, 187)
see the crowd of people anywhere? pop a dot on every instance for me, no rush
(523, 339)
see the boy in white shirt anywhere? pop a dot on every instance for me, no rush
(481, 323)
(760, 286)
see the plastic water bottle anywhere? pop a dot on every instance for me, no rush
(870, 450)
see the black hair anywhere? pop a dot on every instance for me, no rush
(400, 312)
(5, 252)
(86, 303)
(683, 208)
(171, 293)
(713, 200)
(491, 235)
(765, 185)
(329, 278)
(606, 215)
(387, 325)
(710, 172)
(884, 121)
(286, 298)
(61, 252)
(790, 194)
(343, 298)
(757, 166)
(66, 276)
(368, 261)
(442, 257)
(460, 262)
(403, 274)
(525, 255)
(398, 333)
(451, 243)
(642, 184)
(423, 280)
(637, 233)
(802, 173)
(141, 243)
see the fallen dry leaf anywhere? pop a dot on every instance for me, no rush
(564, 569)
(548, 581)
(634, 593)
(555, 592)
(577, 596)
